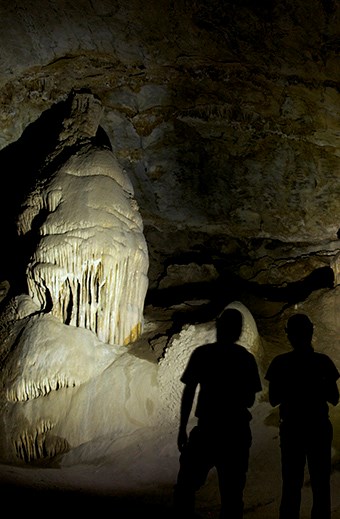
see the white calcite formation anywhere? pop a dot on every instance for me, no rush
(62, 387)
(62, 345)
(90, 262)
(50, 356)
(177, 354)
(249, 337)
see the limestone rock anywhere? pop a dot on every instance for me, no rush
(89, 258)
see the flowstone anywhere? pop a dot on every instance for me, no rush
(63, 388)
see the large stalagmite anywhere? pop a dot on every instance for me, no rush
(62, 345)
(89, 261)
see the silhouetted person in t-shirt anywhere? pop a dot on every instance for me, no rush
(228, 380)
(302, 382)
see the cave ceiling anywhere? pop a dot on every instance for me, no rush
(224, 115)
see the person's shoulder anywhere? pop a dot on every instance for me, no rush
(324, 358)
(242, 350)
(282, 358)
(204, 349)
(206, 346)
(242, 355)
(198, 358)
(279, 363)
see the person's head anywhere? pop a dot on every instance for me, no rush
(299, 331)
(229, 326)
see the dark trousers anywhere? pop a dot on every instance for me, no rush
(226, 450)
(299, 444)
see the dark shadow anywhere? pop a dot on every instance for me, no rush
(303, 382)
(297, 291)
(216, 295)
(20, 163)
(229, 286)
(24, 500)
(23, 163)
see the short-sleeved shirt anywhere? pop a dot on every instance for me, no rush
(228, 377)
(303, 379)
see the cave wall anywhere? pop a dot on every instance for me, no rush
(225, 114)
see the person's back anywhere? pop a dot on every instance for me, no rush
(228, 380)
(302, 382)
(304, 385)
(225, 374)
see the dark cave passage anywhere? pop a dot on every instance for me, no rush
(229, 287)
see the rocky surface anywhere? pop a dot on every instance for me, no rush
(224, 116)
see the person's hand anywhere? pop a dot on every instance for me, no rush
(182, 439)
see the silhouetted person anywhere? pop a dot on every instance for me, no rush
(228, 377)
(302, 382)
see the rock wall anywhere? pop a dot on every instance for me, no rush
(225, 115)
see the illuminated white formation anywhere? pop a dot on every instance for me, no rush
(249, 337)
(63, 388)
(66, 377)
(50, 356)
(30, 446)
(89, 266)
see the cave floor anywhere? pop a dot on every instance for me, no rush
(138, 479)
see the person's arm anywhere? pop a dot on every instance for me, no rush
(331, 390)
(255, 385)
(275, 396)
(333, 394)
(186, 406)
(275, 385)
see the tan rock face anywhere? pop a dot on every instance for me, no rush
(224, 115)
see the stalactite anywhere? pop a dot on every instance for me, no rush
(29, 389)
(32, 445)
